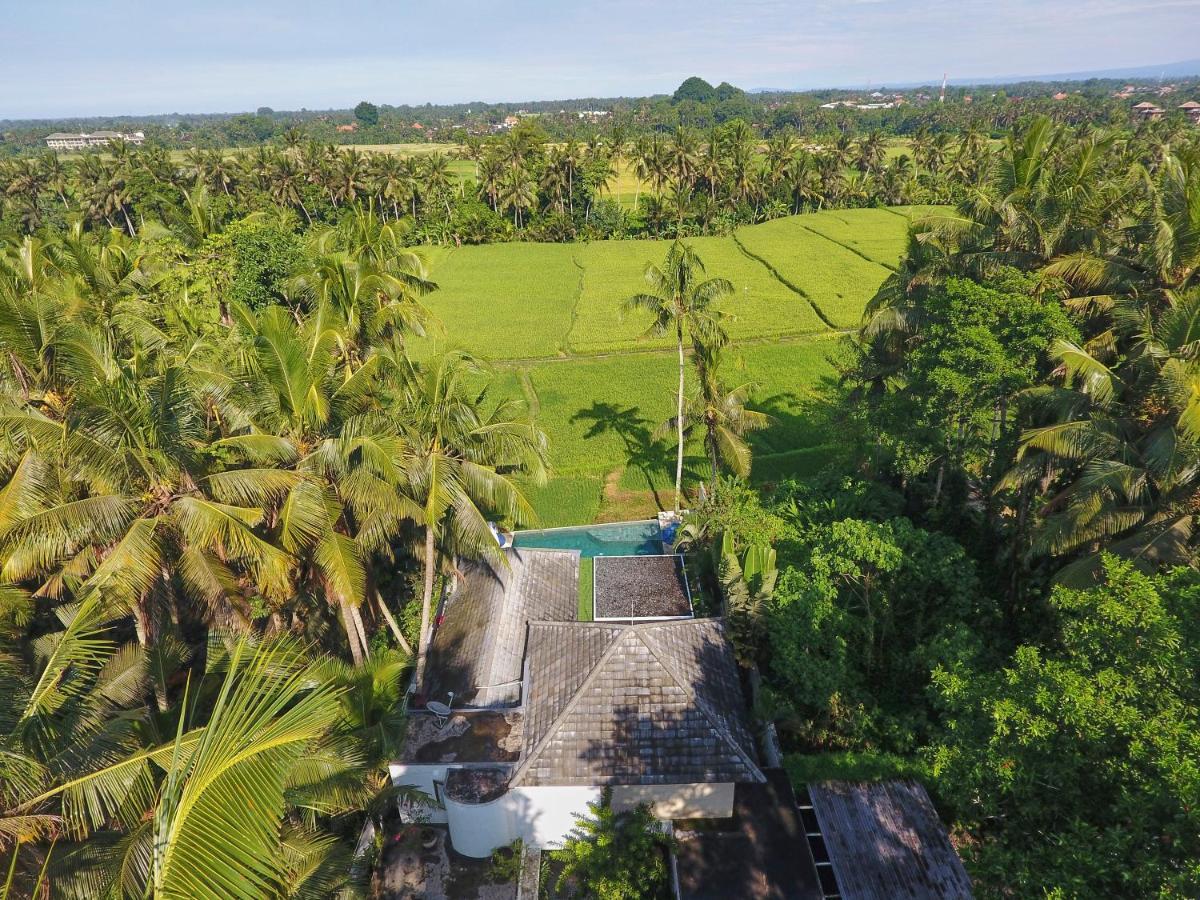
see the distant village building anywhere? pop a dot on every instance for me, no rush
(1191, 109)
(352, 127)
(62, 141)
(1147, 111)
(1061, 95)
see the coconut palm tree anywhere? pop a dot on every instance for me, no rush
(719, 412)
(303, 404)
(229, 802)
(679, 301)
(464, 453)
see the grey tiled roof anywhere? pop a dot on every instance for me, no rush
(885, 842)
(654, 703)
(478, 649)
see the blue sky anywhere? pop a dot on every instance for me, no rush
(88, 57)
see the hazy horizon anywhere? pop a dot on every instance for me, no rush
(225, 58)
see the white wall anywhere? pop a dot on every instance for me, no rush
(677, 801)
(422, 778)
(546, 815)
(543, 817)
(476, 829)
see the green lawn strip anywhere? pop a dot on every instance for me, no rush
(502, 301)
(585, 589)
(838, 281)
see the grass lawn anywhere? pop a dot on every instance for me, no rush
(586, 594)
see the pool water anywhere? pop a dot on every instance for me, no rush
(617, 539)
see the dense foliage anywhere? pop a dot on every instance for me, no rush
(211, 521)
(614, 855)
(1002, 595)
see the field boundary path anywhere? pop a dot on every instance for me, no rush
(853, 250)
(787, 284)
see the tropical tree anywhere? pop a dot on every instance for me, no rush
(464, 454)
(681, 302)
(720, 414)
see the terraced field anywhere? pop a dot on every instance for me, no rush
(548, 316)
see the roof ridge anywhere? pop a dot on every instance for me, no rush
(570, 705)
(705, 709)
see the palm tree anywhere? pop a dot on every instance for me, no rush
(114, 491)
(462, 459)
(678, 300)
(227, 806)
(308, 407)
(518, 191)
(720, 412)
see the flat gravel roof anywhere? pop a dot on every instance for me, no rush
(641, 587)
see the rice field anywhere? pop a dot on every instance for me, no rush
(548, 316)
(503, 301)
(760, 306)
(835, 279)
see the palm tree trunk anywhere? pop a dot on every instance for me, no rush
(128, 223)
(356, 613)
(426, 606)
(392, 624)
(679, 419)
(351, 633)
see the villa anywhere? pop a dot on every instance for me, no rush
(62, 141)
(527, 715)
(1147, 111)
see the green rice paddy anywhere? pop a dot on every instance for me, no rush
(549, 318)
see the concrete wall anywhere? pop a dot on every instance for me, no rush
(546, 815)
(677, 801)
(541, 816)
(422, 778)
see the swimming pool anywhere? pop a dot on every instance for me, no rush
(617, 539)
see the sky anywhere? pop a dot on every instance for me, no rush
(63, 58)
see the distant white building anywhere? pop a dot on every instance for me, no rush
(63, 141)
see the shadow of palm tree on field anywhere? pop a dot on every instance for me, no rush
(643, 451)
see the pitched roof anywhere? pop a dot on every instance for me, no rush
(885, 842)
(478, 648)
(654, 703)
(1191, 104)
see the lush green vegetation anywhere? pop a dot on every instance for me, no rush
(240, 442)
(613, 856)
(995, 589)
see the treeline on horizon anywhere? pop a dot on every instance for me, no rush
(522, 184)
(696, 103)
